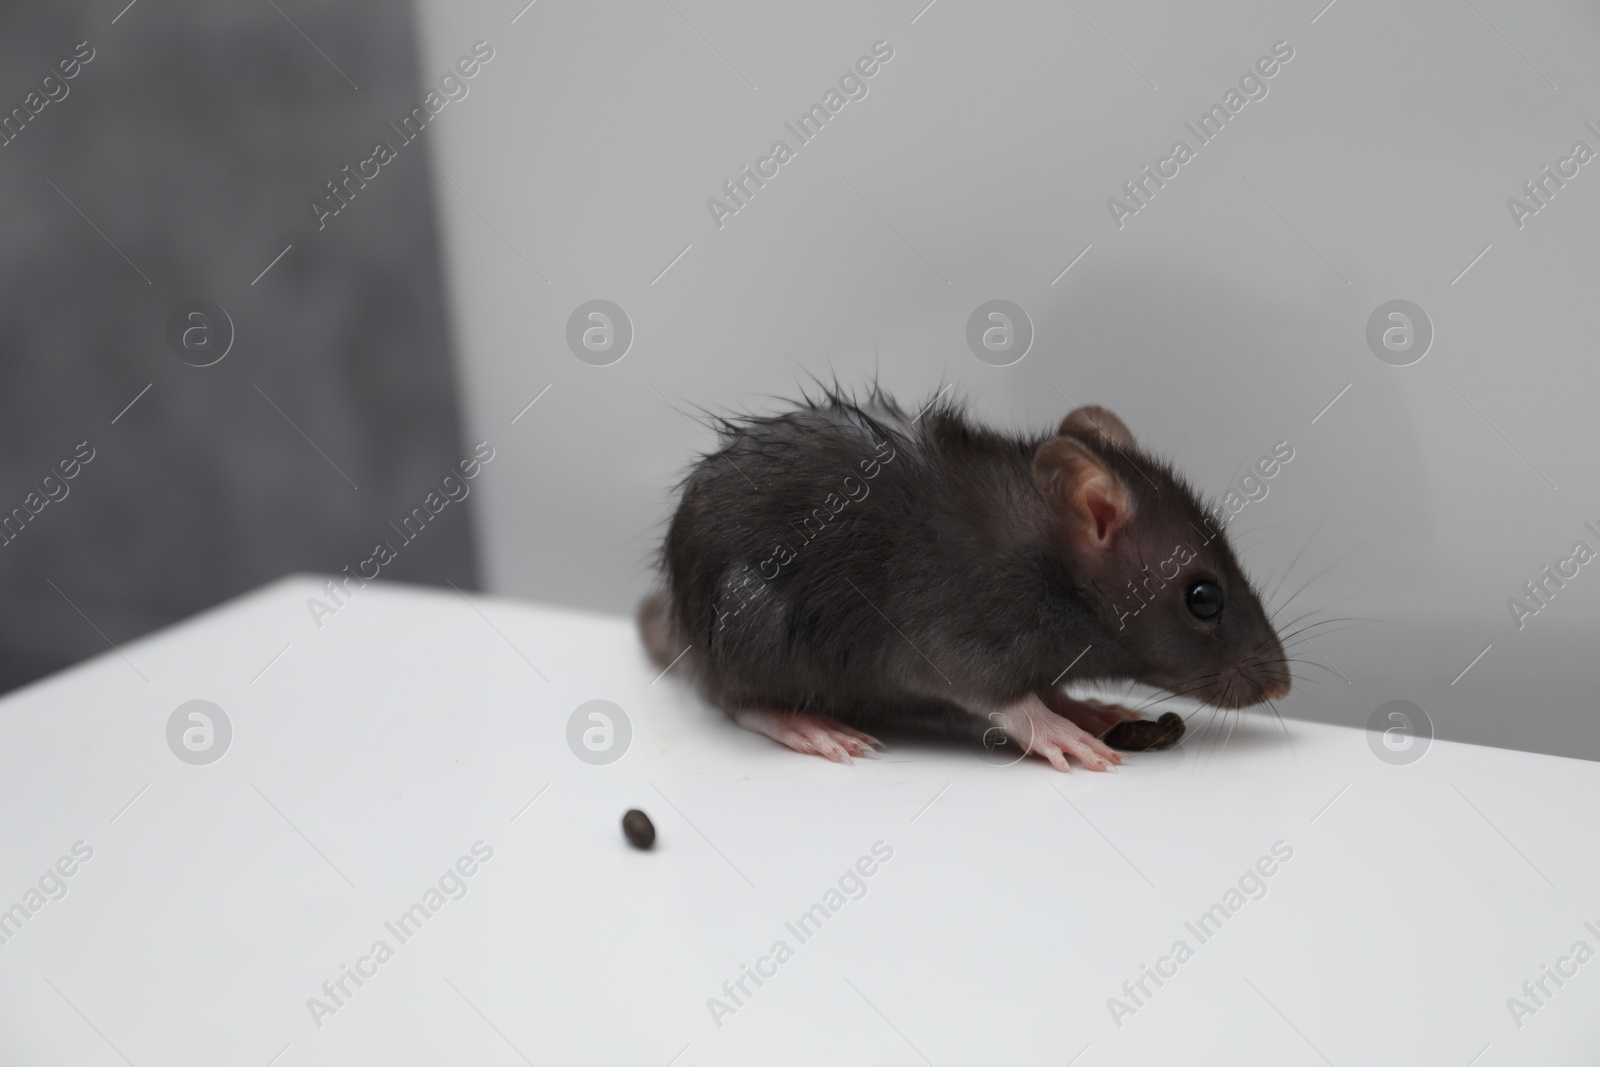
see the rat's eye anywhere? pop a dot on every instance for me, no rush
(1204, 600)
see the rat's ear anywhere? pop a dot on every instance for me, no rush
(1092, 422)
(1088, 498)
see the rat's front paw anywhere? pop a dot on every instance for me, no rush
(814, 735)
(1041, 732)
(1139, 735)
(1095, 716)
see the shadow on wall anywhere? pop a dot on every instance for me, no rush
(313, 404)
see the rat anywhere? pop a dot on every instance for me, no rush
(842, 566)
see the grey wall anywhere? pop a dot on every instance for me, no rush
(1224, 316)
(182, 160)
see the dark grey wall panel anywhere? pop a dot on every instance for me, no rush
(178, 165)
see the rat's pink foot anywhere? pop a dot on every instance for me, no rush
(1040, 731)
(803, 731)
(1095, 716)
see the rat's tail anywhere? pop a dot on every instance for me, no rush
(658, 629)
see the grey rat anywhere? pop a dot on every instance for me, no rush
(843, 565)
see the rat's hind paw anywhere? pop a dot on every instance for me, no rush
(803, 731)
(1138, 735)
(1041, 732)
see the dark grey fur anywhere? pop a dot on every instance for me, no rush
(944, 589)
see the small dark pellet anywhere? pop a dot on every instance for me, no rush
(1140, 735)
(638, 829)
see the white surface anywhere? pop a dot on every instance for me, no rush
(1224, 317)
(414, 723)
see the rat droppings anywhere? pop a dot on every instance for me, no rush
(638, 829)
(1139, 735)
